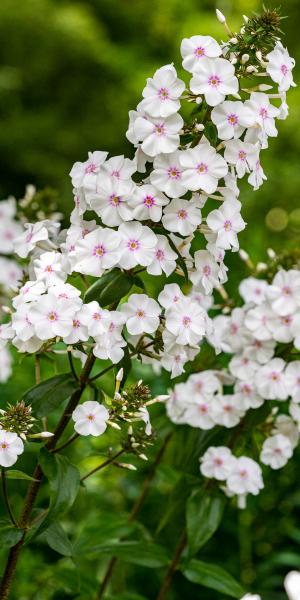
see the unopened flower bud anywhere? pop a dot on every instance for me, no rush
(261, 267)
(271, 254)
(130, 430)
(143, 456)
(234, 60)
(221, 18)
(127, 466)
(258, 55)
(263, 87)
(114, 425)
(233, 40)
(246, 19)
(251, 69)
(198, 100)
(243, 255)
(120, 374)
(42, 434)
(6, 310)
(245, 58)
(199, 126)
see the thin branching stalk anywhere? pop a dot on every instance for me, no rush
(135, 510)
(104, 464)
(167, 581)
(33, 488)
(6, 499)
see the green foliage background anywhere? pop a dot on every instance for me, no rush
(69, 73)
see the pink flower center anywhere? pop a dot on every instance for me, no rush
(97, 316)
(243, 474)
(182, 214)
(232, 119)
(160, 129)
(116, 174)
(160, 255)
(149, 201)
(246, 389)
(52, 316)
(275, 376)
(218, 462)
(203, 409)
(242, 155)
(207, 270)
(48, 269)
(202, 168)
(115, 200)
(227, 225)
(263, 113)
(286, 291)
(284, 70)
(4, 445)
(214, 81)
(140, 313)
(287, 320)
(186, 321)
(133, 245)
(199, 52)
(174, 173)
(91, 168)
(99, 251)
(91, 417)
(76, 323)
(163, 93)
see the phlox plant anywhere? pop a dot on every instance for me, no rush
(135, 284)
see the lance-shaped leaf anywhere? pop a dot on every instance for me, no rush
(14, 474)
(142, 553)
(9, 535)
(49, 394)
(203, 517)
(213, 577)
(110, 288)
(57, 539)
(64, 483)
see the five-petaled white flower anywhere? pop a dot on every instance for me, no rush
(226, 222)
(195, 49)
(142, 314)
(11, 446)
(215, 78)
(98, 251)
(162, 93)
(158, 135)
(202, 167)
(90, 418)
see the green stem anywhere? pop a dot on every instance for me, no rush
(5, 496)
(135, 510)
(167, 581)
(33, 489)
(104, 464)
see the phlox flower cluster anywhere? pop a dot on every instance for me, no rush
(149, 213)
(259, 338)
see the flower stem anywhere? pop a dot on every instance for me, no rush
(135, 510)
(5, 496)
(167, 581)
(33, 489)
(104, 464)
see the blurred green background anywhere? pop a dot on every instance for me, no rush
(69, 74)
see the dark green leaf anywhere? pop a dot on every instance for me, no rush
(109, 526)
(203, 516)
(212, 576)
(49, 394)
(64, 482)
(13, 474)
(110, 288)
(139, 553)
(9, 535)
(57, 539)
(126, 364)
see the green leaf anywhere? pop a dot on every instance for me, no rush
(203, 516)
(213, 577)
(143, 553)
(109, 526)
(9, 535)
(57, 539)
(14, 474)
(64, 482)
(48, 395)
(110, 288)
